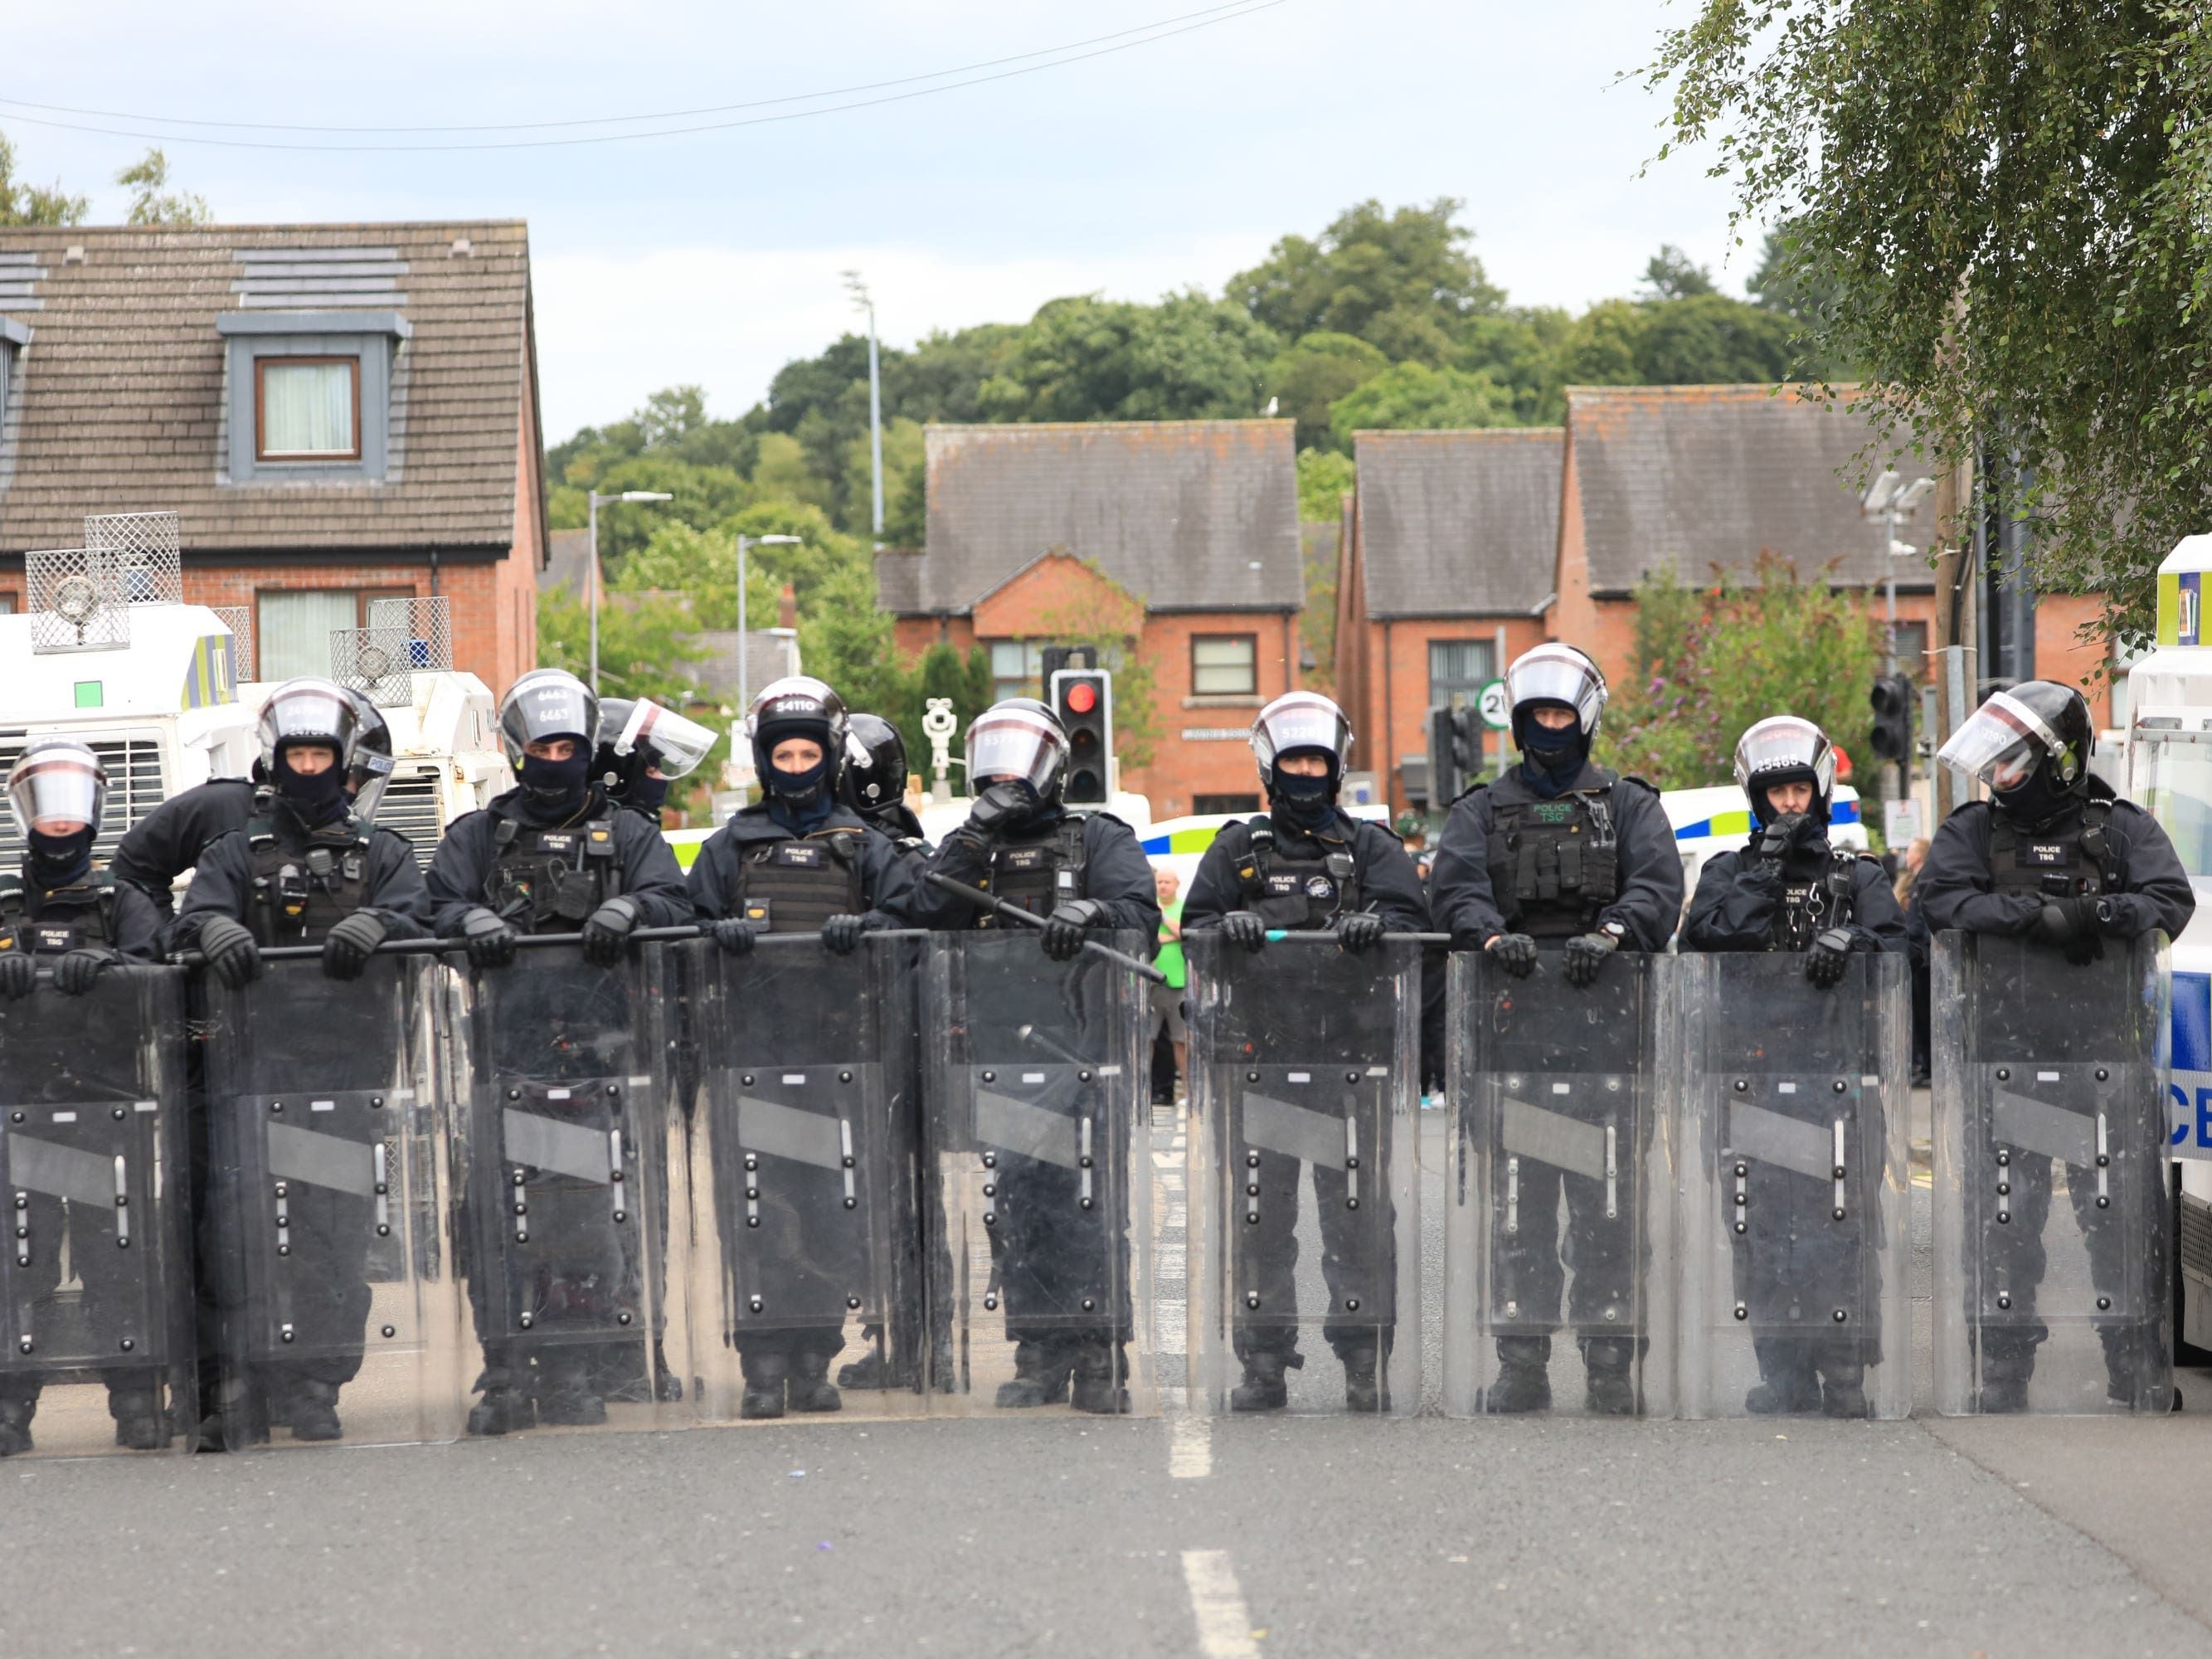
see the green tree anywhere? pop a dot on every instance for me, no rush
(785, 472)
(152, 203)
(1404, 281)
(28, 204)
(1414, 396)
(1314, 373)
(1708, 339)
(1673, 275)
(2014, 208)
(1325, 477)
(1089, 359)
(1524, 349)
(903, 482)
(645, 641)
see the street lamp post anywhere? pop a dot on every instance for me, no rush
(1889, 500)
(596, 499)
(861, 301)
(745, 543)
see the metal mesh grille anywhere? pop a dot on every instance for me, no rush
(134, 789)
(74, 601)
(144, 550)
(410, 807)
(425, 625)
(374, 661)
(240, 620)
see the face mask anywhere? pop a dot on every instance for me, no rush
(648, 792)
(553, 781)
(58, 861)
(316, 798)
(1301, 799)
(2037, 799)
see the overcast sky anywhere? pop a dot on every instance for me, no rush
(714, 257)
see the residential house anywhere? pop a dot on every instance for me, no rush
(1445, 578)
(1179, 536)
(336, 413)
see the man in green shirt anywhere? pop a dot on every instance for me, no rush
(1167, 999)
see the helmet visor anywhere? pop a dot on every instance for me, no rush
(53, 789)
(1303, 719)
(2001, 743)
(308, 711)
(677, 745)
(549, 706)
(1785, 743)
(1014, 743)
(1558, 673)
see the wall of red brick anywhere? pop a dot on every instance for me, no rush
(1393, 723)
(2061, 655)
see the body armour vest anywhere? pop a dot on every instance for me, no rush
(300, 893)
(794, 886)
(1554, 864)
(2060, 864)
(1037, 875)
(1302, 888)
(1812, 903)
(76, 917)
(549, 881)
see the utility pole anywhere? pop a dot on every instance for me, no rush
(859, 290)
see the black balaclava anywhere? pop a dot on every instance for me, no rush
(1550, 761)
(801, 802)
(1307, 803)
(2041, 798)
(60, 861)
(557, 789)
(644, 791)
(314, 798)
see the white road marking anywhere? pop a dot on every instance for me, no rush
(1225, 1627)
(1190, 1447)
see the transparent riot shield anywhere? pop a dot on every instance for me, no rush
(1556, 1204)
(1789, 1112)
(567, 1152)
(802, 1165)
(95, 1278)
(2048, 1083)
(1034, 1138)
(340, 1311)
(1303, 1058)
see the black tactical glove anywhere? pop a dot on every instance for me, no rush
(2071, 925)
(1243, 930)
(1515, 952)
(1786, 834)
(735, 935)
(1065, 927)
(231, 953)
(1358, 932)
(348, 946)
(19, 974)
(1830, 953)
(74, 973)
(607, 931)
(840, 934)
(998, 807)
(491, 939)
(1586, 954)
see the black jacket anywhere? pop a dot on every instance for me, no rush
(1734, 907)
(898, 822)
(1116, 872)
(1955, 890)
(1389, 885)
(464, 861)
(1651, 899)
(169, 839)
(886, 879)
(223, 886)
(138, 925)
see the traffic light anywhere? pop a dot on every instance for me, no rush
(1455, 753)
(1892, 698)
(1083, 699)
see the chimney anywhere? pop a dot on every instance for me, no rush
(786, 608)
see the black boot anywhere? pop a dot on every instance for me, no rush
(1041, 1372)
(503, 1408)
(139, 1424)
(1364, 1387)
(1263, 1389)
(872, 1370)
(1612, 1389)
(15, 1425)
(315, 1412)
(1099, 1374)
(1524, 1375)
(1843, 1389)
(2007, 1366)
(810, 1389)
(1787, 1384)
(238, 1419)
(565, 1394)
(765, 1375)
(2133, 1359)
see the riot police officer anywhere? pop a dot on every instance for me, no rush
(1305, 864)
(797, 861)
(873, 784)
(63, 911)
(642, 749)
(1790, 889)
(2055, 857)
(1080, 872)
(305, 870)
(1563, 852)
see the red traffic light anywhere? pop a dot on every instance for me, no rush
(1082, 698)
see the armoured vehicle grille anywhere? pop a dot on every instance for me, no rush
(134, 789)
(409, 808)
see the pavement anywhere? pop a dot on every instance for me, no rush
(1181, 1535)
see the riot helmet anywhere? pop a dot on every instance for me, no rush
(798, 705)
(875, 766)
(370, 772)
(1018, 741)
(1302, 725)
(1552, 675)
(543, 705)
(643, 748)
(2030, 745)
(1784, 749)
(58, 781)
(311, 712)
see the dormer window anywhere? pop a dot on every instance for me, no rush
(313, 395)
(306, 409)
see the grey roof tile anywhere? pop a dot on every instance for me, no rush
(1459, 524)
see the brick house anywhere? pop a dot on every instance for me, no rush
(338, 413)
(1445, 577)
(1180, 536)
